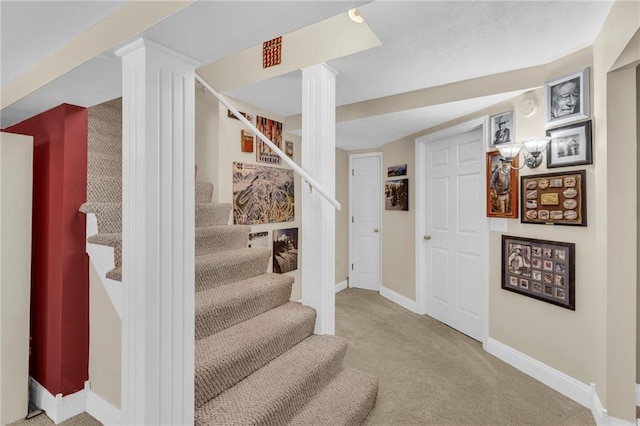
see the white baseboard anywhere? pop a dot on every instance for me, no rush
(102, 410)
(561, 382)
(341, 286)
(583, 394)
(637, 394)
(399, 299)
(58, 408)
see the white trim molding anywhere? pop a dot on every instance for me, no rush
(58, 408)
(637, 394)
(399, 299)
(102, 410)
(583, 394)
(342, 285)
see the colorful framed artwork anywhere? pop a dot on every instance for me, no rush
(288, 149)
(554, 199)
(570, 145)
(568, 98)
(399, 170)
(273, 131)
(541, 269)
(246, 138)
(502, 186)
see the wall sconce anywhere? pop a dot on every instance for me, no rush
(533, 148)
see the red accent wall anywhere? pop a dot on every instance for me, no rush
(59, 266)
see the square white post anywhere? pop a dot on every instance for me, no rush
(318, 215)
(158, 223)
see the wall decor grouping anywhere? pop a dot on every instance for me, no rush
(544, 270)
(262, 194)
(554, 198)
(273, 131)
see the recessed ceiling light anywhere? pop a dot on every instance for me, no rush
(355, 16)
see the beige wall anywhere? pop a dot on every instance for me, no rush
(342, 216)
(218, 146)
(638, 229)
(104, 342)
(16, 183)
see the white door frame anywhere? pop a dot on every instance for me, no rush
(351, 157)
(421, 275)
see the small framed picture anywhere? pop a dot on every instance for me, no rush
(568, 98)
(399, 170)
(554, 284)
(570, 146)
(502, 129)
(502, 187)
(288, 149)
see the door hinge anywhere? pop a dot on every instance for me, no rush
(351, 219)
(352, 172)
(352, 266)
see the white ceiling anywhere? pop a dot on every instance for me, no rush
(424, 44)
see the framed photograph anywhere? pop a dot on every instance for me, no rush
(244, 114)
(555, 284)
(502, 187)
(399, 170)
(396, 193)
(568, 98)
(288, 149)
(285, 250)
(570, 145)
(247, 141)
(554, 199)
(502, 129)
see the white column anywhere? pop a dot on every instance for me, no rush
(158, 222)
(318, 216)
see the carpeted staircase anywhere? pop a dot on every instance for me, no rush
(256, 358)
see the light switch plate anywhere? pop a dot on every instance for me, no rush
(498, 224)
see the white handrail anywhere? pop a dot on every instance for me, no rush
(271, 145)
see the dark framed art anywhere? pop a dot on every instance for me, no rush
(554, 198)
(396, 193)
(570, 145)
(502, 187)
(285, 250)
(568, 98)
(541, 269)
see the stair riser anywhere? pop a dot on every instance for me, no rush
(103, 190)
(212, 214)
(99, 164)
(208, 276)
(226, 313)
(227, 370)
(204, 192)
(217, 240)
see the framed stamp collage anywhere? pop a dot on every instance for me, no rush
(541, 269)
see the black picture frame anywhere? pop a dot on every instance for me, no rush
(540, 269)
(570, 145)
(554, 198)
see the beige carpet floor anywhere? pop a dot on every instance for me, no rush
(42, 420)
(430, 374)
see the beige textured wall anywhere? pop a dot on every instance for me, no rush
(104, 342)
(207, 140)
(16, 182)
(342, 216)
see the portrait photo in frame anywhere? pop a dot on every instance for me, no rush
(502, 187)
(568, 98)
(570, 145)
(502, 128)
(541, 269)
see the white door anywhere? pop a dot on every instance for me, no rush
(455, 231)
(365, 195)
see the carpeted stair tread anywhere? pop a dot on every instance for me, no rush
(213, 239)
(111, 239)
(225, 358)
(222, 268)
(109, 215)
(344, 401)
(222, 307)
(104, 164)
(105, 127)
(115, 274)
(204, 192)
(104, 189)
(273, 394)
(209, 214)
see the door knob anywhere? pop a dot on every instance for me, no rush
(376, 230)
(427, 237)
